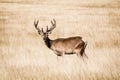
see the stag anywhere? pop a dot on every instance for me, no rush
(61, 46)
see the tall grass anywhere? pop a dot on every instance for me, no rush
(24, 56)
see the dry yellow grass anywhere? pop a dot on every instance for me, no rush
(23, 55)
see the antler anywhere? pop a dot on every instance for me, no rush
(36, 26)
(52, 27)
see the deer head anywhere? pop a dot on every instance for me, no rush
(46, 33)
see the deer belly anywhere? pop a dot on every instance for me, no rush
(63, 50)
(68, 51)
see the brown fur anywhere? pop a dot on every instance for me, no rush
(61, 46)
(71, 45)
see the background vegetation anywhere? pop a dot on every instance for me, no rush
(23, 55)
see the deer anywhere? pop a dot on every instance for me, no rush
(62, 46)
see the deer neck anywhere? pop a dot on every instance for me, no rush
(47, 42)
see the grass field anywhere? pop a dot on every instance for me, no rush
(24, 56)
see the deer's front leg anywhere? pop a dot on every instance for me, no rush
(58, 53)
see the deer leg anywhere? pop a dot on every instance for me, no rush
(76, 51)
(84, 50)
(78, 54)
(80, 49)
(85, 55)
(58, 53)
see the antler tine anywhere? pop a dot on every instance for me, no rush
(36, 26)
(53, 25)
(47, 28)
(36, 23)
(54, 21)
(42, 30)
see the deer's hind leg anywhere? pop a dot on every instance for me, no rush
(82, 52)
(77, 51)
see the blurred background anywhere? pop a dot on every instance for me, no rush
(24, 56)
